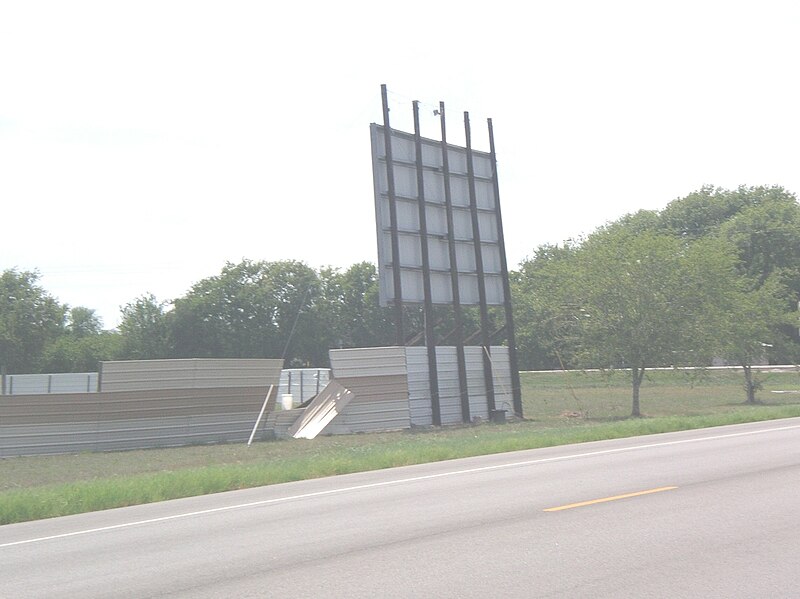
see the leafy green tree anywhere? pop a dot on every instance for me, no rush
(759, 230)
(643, 221)
(145, 329)
(351, 299)
(82, 345)
(70, 353)
(253, 309)
(753, 317)
(303, 336)
(30, 319)
(704, 211)
(646, 300)
(766, 238)
(83, 322)
(226, 315)
(762, 224)
(543, 313)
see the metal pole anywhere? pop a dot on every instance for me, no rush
(260, 415)
(451, 246)
(398, 291)
(516, 388)
(430, 340)
(476, 235)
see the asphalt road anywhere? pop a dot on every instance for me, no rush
(708, 513)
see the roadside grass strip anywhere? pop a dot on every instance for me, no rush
(328, 458)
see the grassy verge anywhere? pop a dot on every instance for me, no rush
(562, 407)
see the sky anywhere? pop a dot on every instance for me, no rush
(145, 144)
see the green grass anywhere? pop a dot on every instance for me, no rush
(560, 408)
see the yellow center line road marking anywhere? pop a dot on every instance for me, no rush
(605, 499)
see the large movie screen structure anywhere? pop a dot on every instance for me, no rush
(438, 214)
(440, 239)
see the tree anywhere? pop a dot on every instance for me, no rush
(704, 211)
(303, 337)
(145, 329)
(753, 316)
(755, 229)
(226, 315)
(83, 322)
(767, 239)
(351, 301)
(763, 225)
(646, 300)
(30, 319)
(545, 327)
(253, 309)
(82, 345)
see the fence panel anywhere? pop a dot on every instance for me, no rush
(62, 382)
(108, 421)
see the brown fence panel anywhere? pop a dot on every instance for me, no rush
(108, 421)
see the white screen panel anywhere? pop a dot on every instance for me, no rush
(408, 223)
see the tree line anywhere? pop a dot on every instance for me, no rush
(714, 274)
(250, 309)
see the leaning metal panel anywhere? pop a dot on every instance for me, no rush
(408, 227)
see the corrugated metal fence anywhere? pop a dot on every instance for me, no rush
(151, 413)
(108, 421)
(188, 373)
(392, 390)
(377, 378)
(419, 391)
(164, 403)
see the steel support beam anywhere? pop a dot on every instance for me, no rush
(476, 236)
(516, 389)
(430, 339)
(451, 248)
(396, 278)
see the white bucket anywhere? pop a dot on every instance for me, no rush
(287, 401)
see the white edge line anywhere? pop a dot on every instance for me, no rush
(398, 481)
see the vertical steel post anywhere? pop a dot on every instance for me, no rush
(398, 292)
(516, 389)
(451, 246)
(430, 339)
(476, 235)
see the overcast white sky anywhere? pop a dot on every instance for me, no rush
(143, 144)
